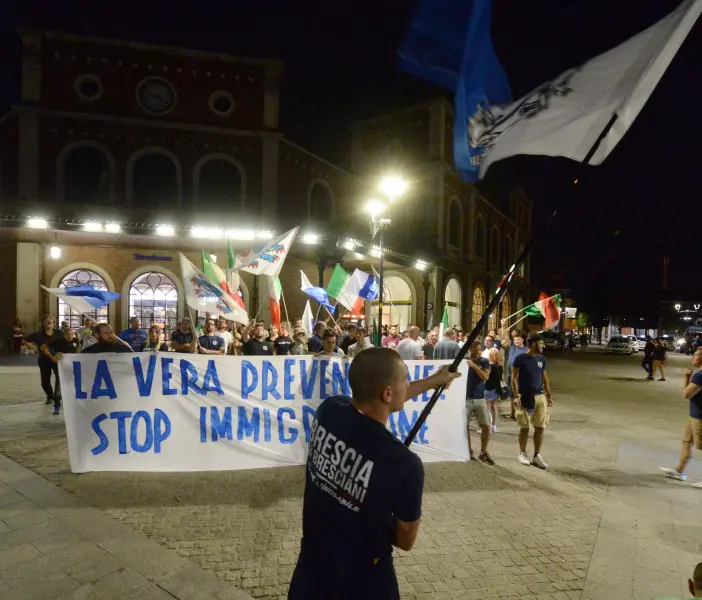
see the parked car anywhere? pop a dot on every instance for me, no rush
(552, 340)
(620, 344)
(638, 344)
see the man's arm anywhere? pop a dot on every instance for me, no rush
(405, 533)
(515, 383)
(547, 387)
(442, 376)
(689, 389)
(484, 374)
(45, 351)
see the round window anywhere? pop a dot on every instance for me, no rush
(221, 103)
(88, 87)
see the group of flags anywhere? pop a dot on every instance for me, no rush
(349, 291)
(582, 114)
(213, 291)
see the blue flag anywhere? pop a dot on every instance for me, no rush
(448, 43)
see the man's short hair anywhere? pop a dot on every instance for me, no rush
(100, 326)
(319, 326)
(448, 332)
(535, 338)
(328, 333)
(372, 371)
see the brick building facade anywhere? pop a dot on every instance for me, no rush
(137, 136)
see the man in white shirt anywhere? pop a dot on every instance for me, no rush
(410, 348)
(489, 345)
(362, 343)
(226, 335)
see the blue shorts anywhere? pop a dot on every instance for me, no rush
(491, 395)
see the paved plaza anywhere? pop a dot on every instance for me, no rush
(600, 523)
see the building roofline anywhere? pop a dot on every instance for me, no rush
(268, 63)
(326, 162)
(434, 102)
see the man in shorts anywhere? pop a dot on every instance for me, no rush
(532, 394)
(692, 435)
(478, 374)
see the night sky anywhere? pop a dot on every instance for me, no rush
(643, 203)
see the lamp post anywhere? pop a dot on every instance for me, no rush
(393, 187)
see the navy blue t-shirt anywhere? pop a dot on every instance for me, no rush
(696, 400)
(358, 477)
(530, 382)
(211, 342)
(136, 338)
(475, 386)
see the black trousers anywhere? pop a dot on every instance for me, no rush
(46, 368)
(339, 578)
(647, 364)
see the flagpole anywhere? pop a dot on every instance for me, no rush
(285, 308)
(513, 324)
(499, 294)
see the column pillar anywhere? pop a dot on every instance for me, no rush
(29, 276)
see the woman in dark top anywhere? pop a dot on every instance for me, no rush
(45, 335)
(492, 386)
(660, 357)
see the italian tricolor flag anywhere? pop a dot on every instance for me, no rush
(547, 307)
(444, 323)
(275, 291)
(216, 275)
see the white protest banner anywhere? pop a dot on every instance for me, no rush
(189, 412)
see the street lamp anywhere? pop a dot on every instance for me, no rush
(393, 187)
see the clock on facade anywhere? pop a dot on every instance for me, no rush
(156, 95)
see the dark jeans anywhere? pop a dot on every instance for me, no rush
(646, 364)
(337, 578)
(46, 368)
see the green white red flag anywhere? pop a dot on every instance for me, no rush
(275, 291)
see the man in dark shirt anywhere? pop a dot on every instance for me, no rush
(45, 335)
(529, 382)
(54, 350)
(692, 436)
(647, 360)
(315, 344)
(255, 343)
(107, 341)
(478, 374)
(283, 342)
(363, 489)
(184, 340)
(210, 342)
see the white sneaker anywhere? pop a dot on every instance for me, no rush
(524, 459)
(538, 461)
(673, 474)
(698, 485)
(494, 429)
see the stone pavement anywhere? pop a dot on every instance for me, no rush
(509, 531)
(53, 546)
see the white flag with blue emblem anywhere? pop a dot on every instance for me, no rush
(566, 116)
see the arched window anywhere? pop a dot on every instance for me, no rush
(507, 256)
(455, 223)
(495, 246)
(219, 182)
(453, 299)
(478, 304)
(153, 298)
(321, 202)
(85, 175)
(480, 236)
(81, 277)
(155, 180)
(397, 303)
